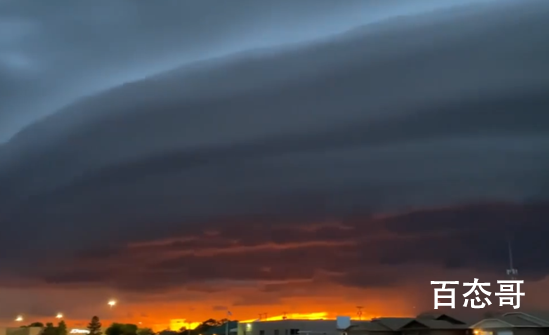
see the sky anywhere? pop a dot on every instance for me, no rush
(301, 157)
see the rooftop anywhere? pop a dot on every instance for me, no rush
(514, 319)
(433, 321)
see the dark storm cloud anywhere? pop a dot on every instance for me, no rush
(437, 110)
(51, 54)
(356, 258)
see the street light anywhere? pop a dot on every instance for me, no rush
(59, 316)
(19, 318)
(111, 303)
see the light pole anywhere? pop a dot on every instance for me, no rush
(111, 304)
(229, 314)
(188, 321)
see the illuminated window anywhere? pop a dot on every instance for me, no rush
(482, 332)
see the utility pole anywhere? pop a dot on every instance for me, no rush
(359, 312)
(229, 314)
(511, 272)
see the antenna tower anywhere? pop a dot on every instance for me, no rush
(359, 312)
(511, 272)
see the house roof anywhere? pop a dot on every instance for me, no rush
(433, 324)
(537, 318)
(516, 320)
(442, 324)
(368, 326)
(439, 316)
(427, 315)
(393, 323)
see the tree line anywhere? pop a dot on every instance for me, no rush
(94, 328)
(212, 326)
(49, 328)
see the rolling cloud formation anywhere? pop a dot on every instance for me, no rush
(419, 132)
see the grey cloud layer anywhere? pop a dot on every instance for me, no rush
(51, 54)
(380, 119)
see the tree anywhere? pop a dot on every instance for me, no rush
(121, 329)
(143, 331)
(61, 328)
(49, 329)
(114, 329)
(34, 324)
(129, 329)
(94, 326)
(206, 325)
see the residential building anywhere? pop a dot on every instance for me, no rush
(513, 323)
(424, 324)
(288, 327)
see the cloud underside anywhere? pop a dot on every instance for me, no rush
(364, 252)
(404, 152)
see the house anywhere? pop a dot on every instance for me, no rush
(435, 327)
(435, 324)
(513, 323)
(439, 317)
(369, 328)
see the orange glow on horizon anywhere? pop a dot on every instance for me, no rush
(294, 316)
(176, 324)
(162, 311)
(306, 316)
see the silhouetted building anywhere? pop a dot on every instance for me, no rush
(513, 323)
(424, 324)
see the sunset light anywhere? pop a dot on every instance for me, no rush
(294, 316)
(176, 324)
